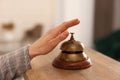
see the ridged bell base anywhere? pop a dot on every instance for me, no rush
(72, 65)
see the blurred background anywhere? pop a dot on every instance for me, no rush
(24, 21)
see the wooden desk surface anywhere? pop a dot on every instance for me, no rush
(103, 68)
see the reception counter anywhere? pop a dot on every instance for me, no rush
(103, 68)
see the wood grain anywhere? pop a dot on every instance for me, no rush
(103, 68)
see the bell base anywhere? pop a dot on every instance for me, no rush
(58, 63)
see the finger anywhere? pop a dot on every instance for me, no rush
(59, 38)
(64, 26)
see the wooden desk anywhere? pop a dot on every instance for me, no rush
(103, 68)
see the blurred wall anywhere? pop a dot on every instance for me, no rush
(82, 9)
(26, 13)
(116, 14)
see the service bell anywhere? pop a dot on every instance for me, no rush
(72, 56)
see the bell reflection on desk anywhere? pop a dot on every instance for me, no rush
(72, 56)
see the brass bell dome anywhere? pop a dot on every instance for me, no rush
(72, 56)
(72, 45)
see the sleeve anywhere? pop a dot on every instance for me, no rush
(14, 64)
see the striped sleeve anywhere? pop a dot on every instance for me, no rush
(14, 64)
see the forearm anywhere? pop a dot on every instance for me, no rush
(14, 64)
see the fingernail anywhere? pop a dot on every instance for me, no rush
(77, 20)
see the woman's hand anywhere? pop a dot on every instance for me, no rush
(49, 40)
